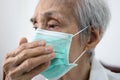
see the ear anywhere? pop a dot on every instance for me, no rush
(94, 38)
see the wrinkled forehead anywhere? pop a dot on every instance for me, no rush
(56, 3)
(61, 6)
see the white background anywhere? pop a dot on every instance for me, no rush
(14, 24)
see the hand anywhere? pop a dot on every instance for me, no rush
(28, 60)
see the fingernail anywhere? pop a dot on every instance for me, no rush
(41, 42)
(52, 55)
(48, 49)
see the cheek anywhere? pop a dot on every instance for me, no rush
(75, 48)
(76, 40)
(73, 29)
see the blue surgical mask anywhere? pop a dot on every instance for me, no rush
(61, 43)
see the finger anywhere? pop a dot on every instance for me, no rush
(25, 46)
(26, 54)
(30, 64)
(36, 71)
(8, 64)
(32, 73)
(29, 53)
(9, 54)
(30, 45)
(23, 40)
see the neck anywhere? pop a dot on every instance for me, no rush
(80, 72)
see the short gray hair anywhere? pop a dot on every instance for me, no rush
(92, 12)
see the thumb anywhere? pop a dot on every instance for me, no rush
(23, 40)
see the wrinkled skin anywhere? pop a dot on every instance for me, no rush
(27, 60)
(30, 59)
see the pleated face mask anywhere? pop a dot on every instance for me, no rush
(61, 43)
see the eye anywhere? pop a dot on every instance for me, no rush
(53, 25)
(35, 28)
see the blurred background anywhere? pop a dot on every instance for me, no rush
(15, 23)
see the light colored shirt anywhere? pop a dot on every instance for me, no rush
(98, 72)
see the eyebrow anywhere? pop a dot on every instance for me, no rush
(54, 15)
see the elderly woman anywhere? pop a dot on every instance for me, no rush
(67, 32)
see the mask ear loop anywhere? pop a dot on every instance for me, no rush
(80, 31)
(80, 56)
(85, 49)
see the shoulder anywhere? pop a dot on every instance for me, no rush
(112, 73)
(100, 72)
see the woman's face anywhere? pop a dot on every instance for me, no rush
(58, 16)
